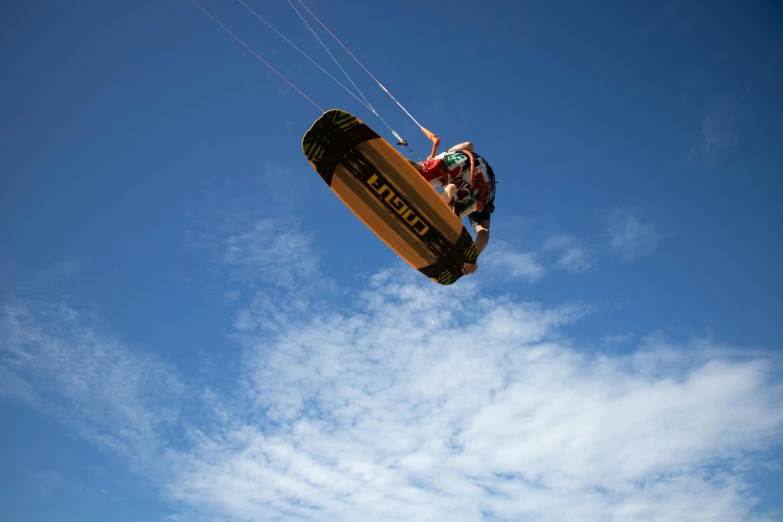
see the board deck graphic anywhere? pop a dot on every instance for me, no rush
(383, 190)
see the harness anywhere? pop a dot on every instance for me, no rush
(491, 181)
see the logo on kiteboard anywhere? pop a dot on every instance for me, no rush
(395, 203)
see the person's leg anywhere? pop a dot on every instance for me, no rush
(432, 171)
(448, 193)
(482, 238)
(482, 235)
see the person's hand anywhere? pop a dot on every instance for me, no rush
(469, 268)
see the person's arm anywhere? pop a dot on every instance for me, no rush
(462, 146)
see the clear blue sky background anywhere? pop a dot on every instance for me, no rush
(157, 214)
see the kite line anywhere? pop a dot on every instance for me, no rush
(364, 101)
(256, 55)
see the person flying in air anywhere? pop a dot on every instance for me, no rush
(452, 171)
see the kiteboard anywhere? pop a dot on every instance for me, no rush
(389, 196)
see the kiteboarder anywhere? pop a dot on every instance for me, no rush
(468, 184)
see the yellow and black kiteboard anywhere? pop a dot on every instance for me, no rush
(387, 193)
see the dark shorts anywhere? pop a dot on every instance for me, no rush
(476, 218)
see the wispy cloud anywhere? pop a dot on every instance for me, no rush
(571, 256)
(51, 484)
(66, 363)
(415, 402)
(426, 406)
(263, 263)
(470, 51)
(730, 114)
(719, 132)
(255, 250)
(631, 238)
(510, 262)
(272, 250)
(617, 338)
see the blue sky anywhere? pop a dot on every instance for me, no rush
(193, 327)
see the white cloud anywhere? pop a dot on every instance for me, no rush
(249, 250)
(231, 296)
(416, 402)
(511, 263)
(272, 251)
(571, 256)
(427, 406)
(616, 339)
(720, 127)
(631, 238)
(67, 364)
